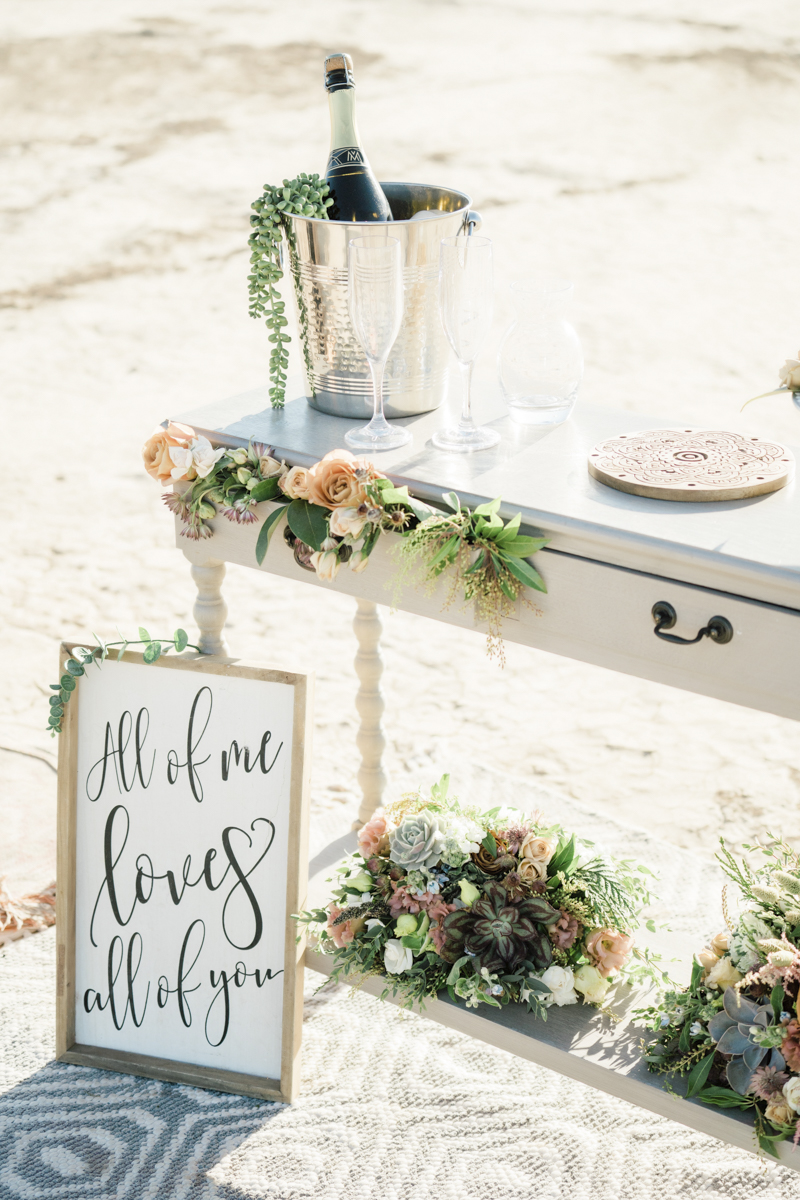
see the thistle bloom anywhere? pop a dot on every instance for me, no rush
(240, 512)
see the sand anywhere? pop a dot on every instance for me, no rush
(647, 151)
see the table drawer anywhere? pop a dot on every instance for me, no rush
(603, 614)
(593, 612)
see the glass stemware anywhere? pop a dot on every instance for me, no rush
(465, 299)
(375, 282)
(540, 361)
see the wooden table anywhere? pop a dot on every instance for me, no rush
(610, 558)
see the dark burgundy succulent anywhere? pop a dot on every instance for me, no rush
(500, 935)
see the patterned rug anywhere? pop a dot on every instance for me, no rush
(392, 1107)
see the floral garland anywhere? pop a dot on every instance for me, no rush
(496, 907)
(734, 1032)
(789, 375)
(336, 513)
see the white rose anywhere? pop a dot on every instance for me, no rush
(359, 562)
(791, 1093)
(326, 564)
(591, 983)
(397, 958)
(561, 982)
(346, 521)
(790, 374)
(270, 467)
(723, 975)
(204, 456)
(374, 923)
(181, 456)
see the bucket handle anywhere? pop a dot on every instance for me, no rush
(472, 221)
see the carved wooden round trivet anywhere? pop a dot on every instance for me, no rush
(691, 464)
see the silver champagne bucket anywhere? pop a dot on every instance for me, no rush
(337, 373)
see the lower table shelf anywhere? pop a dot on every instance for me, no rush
(576, 1041)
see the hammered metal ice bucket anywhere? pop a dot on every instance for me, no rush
(337, 373)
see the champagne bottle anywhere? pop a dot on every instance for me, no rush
(356, 193)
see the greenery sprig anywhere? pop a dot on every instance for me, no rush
(307, 196)
(83, 656)
(488, 553)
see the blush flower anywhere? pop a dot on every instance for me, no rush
(565, 931)
(608, 949)
(344, 933)
(790, 1049)
(373, 836)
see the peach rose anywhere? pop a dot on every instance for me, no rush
(333, 481)
(608, 949)
(374, 834)
(155, 451)
(537, 849)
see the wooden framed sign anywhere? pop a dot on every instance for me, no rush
(182, 853)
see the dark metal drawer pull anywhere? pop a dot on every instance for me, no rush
(719, 629)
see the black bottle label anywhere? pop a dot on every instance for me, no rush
(343, 160)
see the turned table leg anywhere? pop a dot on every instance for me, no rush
(210, 610)
(369, 702)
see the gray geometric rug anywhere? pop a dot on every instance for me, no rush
(391, 1106)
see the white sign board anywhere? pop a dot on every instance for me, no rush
(182, 801)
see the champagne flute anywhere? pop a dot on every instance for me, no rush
(375, 279)
(465, 301)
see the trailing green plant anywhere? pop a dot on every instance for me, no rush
(307, 196)
(83, 656)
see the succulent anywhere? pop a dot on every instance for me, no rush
(493, 864)
(418, 841)
(500, 935)
(743, 943)
(734, 1030)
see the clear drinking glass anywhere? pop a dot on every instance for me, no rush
(375, 278)
(540, 361)
(465, 299)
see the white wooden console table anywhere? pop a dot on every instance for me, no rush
(611, 557)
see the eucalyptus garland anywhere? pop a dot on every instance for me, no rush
(306, 196)
(84, 656)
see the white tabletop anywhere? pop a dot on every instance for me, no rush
(746, 547)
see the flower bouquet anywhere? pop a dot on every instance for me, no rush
(734, 1033)
(336, 513)
(494, 906)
